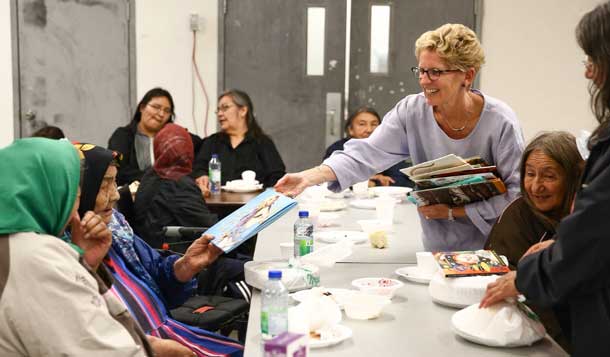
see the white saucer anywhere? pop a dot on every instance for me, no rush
(363, 203)
(413, 274)
(338, 195)
(243, 189)
(393, 191)
(331, 336)
(356, 237)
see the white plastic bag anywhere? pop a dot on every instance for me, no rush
(327, 256)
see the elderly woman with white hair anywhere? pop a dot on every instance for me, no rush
(448, 116)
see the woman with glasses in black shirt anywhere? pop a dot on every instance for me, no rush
(240, 145)
(135, 140)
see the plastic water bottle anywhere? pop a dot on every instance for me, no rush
(303, 235)
(214, 175)
(274, 306)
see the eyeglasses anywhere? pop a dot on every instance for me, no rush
(432, 73)
(223, 108)
(159, 108)
(587, 63)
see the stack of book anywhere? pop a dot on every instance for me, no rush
(454, 181)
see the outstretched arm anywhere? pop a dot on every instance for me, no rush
(293, 184)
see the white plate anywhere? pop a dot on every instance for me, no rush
(338, 295)
(332, 205)
(461, 328)
(333, 335)
(449, 303)
(363, 203)
(337, 236)
(394, 191)
(412, 273)
(338, 195)
(243, 189)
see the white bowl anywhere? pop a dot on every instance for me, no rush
(378, 286)
(365, 306)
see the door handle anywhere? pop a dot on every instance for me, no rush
(330, 118)
(30, 115)
(333, 117)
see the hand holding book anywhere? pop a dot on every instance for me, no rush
(250, 219)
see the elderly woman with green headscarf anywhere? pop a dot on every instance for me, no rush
(51, 303)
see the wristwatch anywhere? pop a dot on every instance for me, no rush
(450, 214)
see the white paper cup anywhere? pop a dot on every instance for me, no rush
(384, 206)
(361, 189)
(426, 262)
(248, 176)
(287, 250)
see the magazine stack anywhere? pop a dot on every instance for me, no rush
(454, 181)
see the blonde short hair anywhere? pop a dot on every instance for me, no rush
(456, 44)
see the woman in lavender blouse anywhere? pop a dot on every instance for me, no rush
(448, 116)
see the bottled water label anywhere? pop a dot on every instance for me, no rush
(273, 321)
(215, 175)
(303, 238)
(305, 245)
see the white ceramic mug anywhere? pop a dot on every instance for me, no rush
(361, 189)
(426, 262)
(248, 176)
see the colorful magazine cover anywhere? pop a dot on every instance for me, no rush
(250, 219)
(470, 263)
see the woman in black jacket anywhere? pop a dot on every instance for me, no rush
(572, 272)
(240, 145)
(134, 141)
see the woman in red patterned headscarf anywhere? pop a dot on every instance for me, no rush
(167, 195)
(173, 150)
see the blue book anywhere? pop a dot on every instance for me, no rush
(250, 219)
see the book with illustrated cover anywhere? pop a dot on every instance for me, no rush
(250, 219)
(470, 263)
(458, 194)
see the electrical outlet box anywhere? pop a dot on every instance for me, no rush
(194, 22)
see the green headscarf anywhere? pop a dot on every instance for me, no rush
(38, 185)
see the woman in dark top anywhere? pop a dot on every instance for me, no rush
(551, 168)
(167, 195)
(573, 270)
(241, 145)
(134, 141)
(360, 125)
